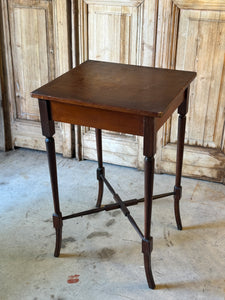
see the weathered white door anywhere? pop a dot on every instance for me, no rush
(36, 42)
(180, 34)
(117, 31)
(191, 36)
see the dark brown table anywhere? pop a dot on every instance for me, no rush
(123, 98)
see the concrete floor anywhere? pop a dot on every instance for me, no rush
(101, 255)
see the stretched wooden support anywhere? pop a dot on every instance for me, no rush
(48, 130)
(182, 111)
(123, 207)
(100, 169)
(113, 206)
(149, 152)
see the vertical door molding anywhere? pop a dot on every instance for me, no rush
(63, 60)
(8, 73)
(83, 30)
(2, 121)
(3, 142)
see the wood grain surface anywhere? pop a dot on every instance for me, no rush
(118, 87)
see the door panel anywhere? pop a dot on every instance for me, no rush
(205, 42)
(33, 38)
(114, 32)
(121, 25)
(33, 55)
(200, 47)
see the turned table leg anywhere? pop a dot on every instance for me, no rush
(182, 111)
(100, 169)
(149, 152)
(48, 130)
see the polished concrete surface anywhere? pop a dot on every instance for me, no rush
(101, 254)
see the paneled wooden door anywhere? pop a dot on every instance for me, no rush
(191, 36)
(179, 34)
(37, 44)
(116, 31)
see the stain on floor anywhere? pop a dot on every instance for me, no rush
(110, 222)
(97, 234)
(115, 213)
(106, 253)
(73, 279)
(66, 241)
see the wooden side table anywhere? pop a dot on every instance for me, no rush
(123, 98)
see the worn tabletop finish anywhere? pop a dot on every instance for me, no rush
(117, 87)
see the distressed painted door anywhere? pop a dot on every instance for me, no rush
(116, 31)
(37, 50)
(191, 36)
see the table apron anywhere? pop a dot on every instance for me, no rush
(98, 118)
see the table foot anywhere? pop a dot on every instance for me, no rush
(147, 246)
(177, 197)
(57, 223)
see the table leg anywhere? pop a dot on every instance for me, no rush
(182, 111)
(48, 130)
(149, 152)
(100, 169)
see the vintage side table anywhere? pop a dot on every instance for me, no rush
(123, 98)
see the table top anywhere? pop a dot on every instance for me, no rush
(118, 87)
